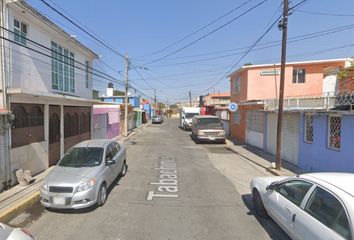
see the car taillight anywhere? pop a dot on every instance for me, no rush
(25, 231)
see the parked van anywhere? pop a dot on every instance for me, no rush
(186, 115)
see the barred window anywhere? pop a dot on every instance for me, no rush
(309, 128)
(334, 132)
(21, 117)
(237, 118)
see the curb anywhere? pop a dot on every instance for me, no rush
(20, 206)
(269, 169)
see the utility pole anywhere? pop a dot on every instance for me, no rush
(126, 96)
(190, 98)
(155, 99)
(283, 25)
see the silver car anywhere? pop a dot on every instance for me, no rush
(82, 176)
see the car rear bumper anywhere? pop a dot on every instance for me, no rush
(211, 138)
(75, 200)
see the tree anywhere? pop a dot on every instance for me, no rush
(173, 106)
(118, 93)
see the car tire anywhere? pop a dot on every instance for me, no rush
(258, 204)
(102, 195)
(124, 170)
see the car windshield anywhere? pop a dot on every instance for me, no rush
(82, 157)
(208, 121)
(191, 115)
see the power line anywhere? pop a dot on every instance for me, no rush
(245, 54)
(298, 5)
(208, 34)
(272, 44)
(199, 29)
(81, 28)
(326, 14)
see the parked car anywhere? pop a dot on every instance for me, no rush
(207, 128)
(9, 233)
(82, 176)
(157, 119)
(310, 206)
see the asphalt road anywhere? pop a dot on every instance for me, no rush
(203, 195)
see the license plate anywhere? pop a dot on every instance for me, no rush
(58, 201)
(211, 138)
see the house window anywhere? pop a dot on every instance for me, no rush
(63, 74)
(334, 132)
(298, 75)
(309, 128)
(20, 32)
(237, 82)
(237, 118)
(87, 76)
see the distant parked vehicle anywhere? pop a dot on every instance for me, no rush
(186, 115)
(83, 175)
(9, 233)
(310, 206)
(157, 119)
(207, 128)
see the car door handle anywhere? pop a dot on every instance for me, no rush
(293, 218)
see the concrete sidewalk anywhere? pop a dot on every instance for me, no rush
(263, 159)
(20, 198)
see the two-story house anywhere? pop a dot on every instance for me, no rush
(48, 86)
(252, 84)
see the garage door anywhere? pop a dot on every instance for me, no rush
(290, 136)
(254, 128)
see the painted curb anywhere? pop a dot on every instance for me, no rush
(19, 206)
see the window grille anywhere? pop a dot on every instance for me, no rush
(309, 128)
(335, 123)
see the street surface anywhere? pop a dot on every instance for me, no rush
(174, 189)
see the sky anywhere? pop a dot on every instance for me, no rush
(181, 46)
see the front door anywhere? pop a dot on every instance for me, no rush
(54, 134)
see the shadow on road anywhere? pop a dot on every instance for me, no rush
(271, 227)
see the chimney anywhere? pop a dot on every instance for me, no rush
(110, 90)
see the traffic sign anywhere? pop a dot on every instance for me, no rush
(233, 107)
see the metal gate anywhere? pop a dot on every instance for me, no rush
(4, 147)
(254, 128)
(54, 134)
(99, 130)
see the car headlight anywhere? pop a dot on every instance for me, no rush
(222, 133)
(86, 185)
(44, 186)
(201, 133)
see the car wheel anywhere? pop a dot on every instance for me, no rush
(124, 170)
(102, 195)
(258, 204)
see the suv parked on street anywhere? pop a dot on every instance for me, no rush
(207, 128)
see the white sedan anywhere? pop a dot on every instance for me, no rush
(309, 206)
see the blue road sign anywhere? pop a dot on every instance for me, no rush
(233, 107)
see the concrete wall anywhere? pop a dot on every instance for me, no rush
(317, 156)
(32, 157)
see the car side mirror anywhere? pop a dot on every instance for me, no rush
(110, 162)
(272, 186)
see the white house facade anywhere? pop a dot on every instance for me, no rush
(48, 81)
